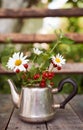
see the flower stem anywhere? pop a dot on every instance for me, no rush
(34, 58)
(55, 46)
(51, 68)
(50, 53)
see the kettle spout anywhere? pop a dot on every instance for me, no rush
(15, 95)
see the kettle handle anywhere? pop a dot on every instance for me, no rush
(71, 95)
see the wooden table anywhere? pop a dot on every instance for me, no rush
(70, 118)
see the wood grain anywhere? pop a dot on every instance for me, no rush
(17, 124)
(6, 108)
(32, 38)
(40, 13)
(71, 68)
(65, 119)
(77, 105)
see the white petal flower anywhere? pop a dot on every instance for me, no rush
(58, 60)
(37, 51)
(17, 61)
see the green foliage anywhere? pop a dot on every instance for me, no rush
(39, 63)
(66, 40)
(74, 21)
(73, 24)
(4, 55)
(32, 2)
(75, 3)
(70, 51)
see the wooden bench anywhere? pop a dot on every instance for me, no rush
(71, 118)
(69, 68)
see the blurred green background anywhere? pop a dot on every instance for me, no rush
(72, 52)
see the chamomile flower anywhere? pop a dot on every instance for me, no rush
(58, 60)
(37, 51)
(17, 62)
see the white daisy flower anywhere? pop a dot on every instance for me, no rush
(17, 62)
(37, 51)
(58, 60)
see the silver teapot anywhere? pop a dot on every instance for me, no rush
(37, 104)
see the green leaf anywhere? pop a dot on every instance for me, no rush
(4, 60)
(45, 66)
(67, 40)
(39, 60)
(32, 70)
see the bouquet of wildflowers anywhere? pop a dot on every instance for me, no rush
(36, 71)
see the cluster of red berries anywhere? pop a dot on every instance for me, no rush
(45, 76)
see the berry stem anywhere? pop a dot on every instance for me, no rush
(34, 58)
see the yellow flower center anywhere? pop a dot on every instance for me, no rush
(18, 62)
(57, 60)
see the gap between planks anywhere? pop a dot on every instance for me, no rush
(65, 119)
(77, 105)
(6, 108)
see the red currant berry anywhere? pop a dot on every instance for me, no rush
(55, 65)
(42, 84)
(26, 66)
(45, 75)
(51, 83)
(50, 75)
(23, 76)
(36, 76)
(28, 79)
(59, 67)
(43, 80)
(17, 70)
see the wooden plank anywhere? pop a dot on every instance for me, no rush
(10, 25)
(71, 68)
(6, 108)
(65, 119)
(77, 105)
(40, 13)
(17, 124)
(33, 38)
(68, 68)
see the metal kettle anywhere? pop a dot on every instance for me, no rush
(37, 104)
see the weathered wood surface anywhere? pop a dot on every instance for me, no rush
(33, 38)
(17, 124)
(6, 109)
(68, 68)
(66, 119)
(70, 118)
(71, 68)
(38, 13)
(77, 104)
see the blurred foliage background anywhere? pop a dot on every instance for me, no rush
(72, 52)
